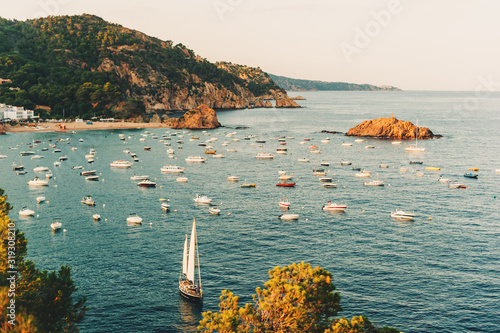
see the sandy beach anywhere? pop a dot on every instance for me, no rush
(72, 126)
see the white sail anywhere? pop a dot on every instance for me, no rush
(192, 254)
(185, 257)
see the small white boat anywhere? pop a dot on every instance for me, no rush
(403, 169)
(87, 200)
(40, 199)
(146, 183)
(121, 164)
(172, 169)
(400, 214)
(3, 156)
(136, 177)
(38, 182)
(36, 157)
(456, 185)
(334, 207)
(305, 160)
(181, 179)
(56, 224)
(396, 142)
(284, 203)
(285, 177)
(282, 172)
(369, 147)
(165, 207)
(325, 164)
(359, 140)
(40, 169)
(497, 170)
(419, 174)
(325, 179)
(347, 144)
(232, 149)
(375, 183)
(329, 185)
(319, 172)
(196, 159)
(363, 174)
(76, 167)
(342, 162)
(233, 178)
(63, 158)
(48, 175)
(289, 217)
(92, 178)
(443, 180)
(57, 163)
(384, 165)
(88, 173)
(26, 212)
(96, 217)
(316, 151)
(218, 156)
(214, 210)
(134, 219)
(264, 156)
(202, 199)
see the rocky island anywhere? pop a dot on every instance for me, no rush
(202, 117)
(391, 128)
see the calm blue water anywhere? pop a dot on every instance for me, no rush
(439, 273)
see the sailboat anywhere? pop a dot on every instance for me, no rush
(415, 148)
(190, 263)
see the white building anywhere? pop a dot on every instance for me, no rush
(15, 113)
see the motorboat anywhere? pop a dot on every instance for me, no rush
(122, 136)
(136, 177)
(3, 156)
(245, 184)
(342, 162)
(325, 179)
(96, 217)
(416, 162)
(218, 156)
(40, 199)
(87, 200)
(285, 184)
(57, 163)
(17, 167)
(233, 178)
(456, 185)
(165, 207)
(347, 144)
(384, 165)
(359, 140)
(181, 179)
(38, 182)
(26, 153)
(403, 169)
(282, 172)
(21, 172)
(304, 160)
(443, 180)
(419, 174)
(172, 169)
(36, 157)
(63, 158)
(315, 151)
(40, 169)
(329, 185)
(319, 172)
(432, 168)
(284, 203)
(470, 175)
(473, 169)
(264, 156)
(48, 175)
(313, 147)
(210, 152)
(76, 167)
(202, 199)
(214, 210)
(375, 183)
(146, 183)
(369, 147)
(363, 174)
(334, 207)
(92, 178)
(147, 148)
(26, 212)
(88, 173)
(134, 219)
(121, 164)
(325, 140)
(325, 164)
(396, 142)
(289, 217)
(56, 223)
(196, 159)
(285, 177)
(401, 214)
(232, 149)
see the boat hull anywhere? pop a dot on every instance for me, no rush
(188, 290)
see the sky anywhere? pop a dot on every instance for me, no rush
(414, 45)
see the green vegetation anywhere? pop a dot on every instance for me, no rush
(83, 65)
(43, 300)
(297, 298)
(301, 85)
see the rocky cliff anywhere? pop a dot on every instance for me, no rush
(3, 129)
(201, 117)
(391, 128)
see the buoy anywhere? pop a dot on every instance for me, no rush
(150, 224)
(103, 205)
(430, 218)
(106, 220)
(175, 210)
(55, 185)
(64, 230)
(363, 211)
(228, 213)
(37, 215)
(161, 186)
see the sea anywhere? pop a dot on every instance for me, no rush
(439, 272)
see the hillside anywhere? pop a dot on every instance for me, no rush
(85, 66)
(290, 84)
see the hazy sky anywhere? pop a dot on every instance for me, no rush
(414, 45)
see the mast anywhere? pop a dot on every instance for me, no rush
(185, 257)
(198, 260)
(192, 254)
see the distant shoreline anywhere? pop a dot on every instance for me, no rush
(72, 126)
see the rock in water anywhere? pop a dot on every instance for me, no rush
(202, 117)
(391, 128)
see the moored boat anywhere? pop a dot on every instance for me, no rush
(334, 207)
(56, 223)
(403, 215)
(134, 219)
(121, 164)
(172, 169)
(146, 183)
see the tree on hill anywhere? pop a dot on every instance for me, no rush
(297, 298)
(43, 300)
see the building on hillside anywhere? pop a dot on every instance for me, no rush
(9, 112)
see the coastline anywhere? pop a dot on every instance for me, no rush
(72, 126)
